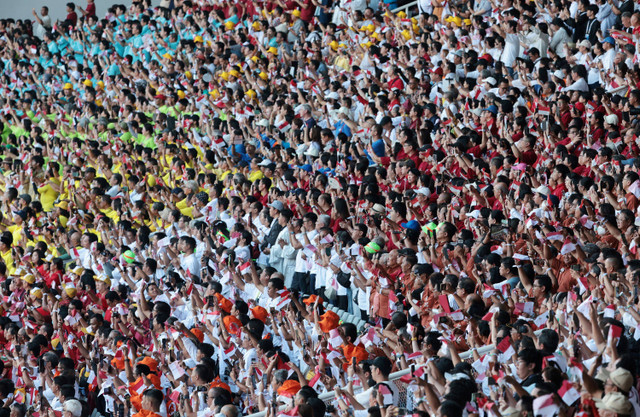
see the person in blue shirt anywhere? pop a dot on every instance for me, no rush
(341, 125)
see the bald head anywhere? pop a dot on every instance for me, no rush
(229, 410)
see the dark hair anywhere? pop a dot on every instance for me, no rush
(531, 357)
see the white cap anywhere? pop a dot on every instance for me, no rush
(612, 119)
(543, 189)
(491, 81)
(423, 191)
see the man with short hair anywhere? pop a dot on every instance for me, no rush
(44, 22)
(150, 405)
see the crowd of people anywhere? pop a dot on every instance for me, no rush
(188, 186)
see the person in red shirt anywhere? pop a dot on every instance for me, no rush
(523, 150)
(563, 111)
(394, 80)
(557, 180)
(72, 17)
(307, 10)
(90, 11)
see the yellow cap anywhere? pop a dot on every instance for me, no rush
(263, 75)
(375, 35)
(467, 22)
(78, 270)
(251, 94)
(366, 44)
(371, 28)
(36, 292)
(296, 13)
(401, 14)
(100, 85)
(68, 86)
(167, 56)
(256, 25)
(28, 278)
(70, 290)
(229, 24)
(273, 50)
(103, 278)
(254, 58)
(98, 102)
(188, 75)
(181, 94)
(88, 83)
(406, 34)
(235, 73)
(64, 204)
(198, 39)
(334, 45)
(224, 76)
(215, 93)
(454, 19)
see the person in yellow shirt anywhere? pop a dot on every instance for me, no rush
(6, 240)
(17, 229)
(256, 173)
(50, 189)
(104, 205)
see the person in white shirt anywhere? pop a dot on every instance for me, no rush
(187, 262)
(560, 38)
(283, 255)
(304, 256)
(583, 57)
(512, 43)
(578, 75)
(609, 46)
(44, 22)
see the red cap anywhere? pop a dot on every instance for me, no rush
(487, 58)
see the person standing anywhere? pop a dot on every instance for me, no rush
(44, 22)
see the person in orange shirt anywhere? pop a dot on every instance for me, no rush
(352, 352)
(151, 403)
(145, 373)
